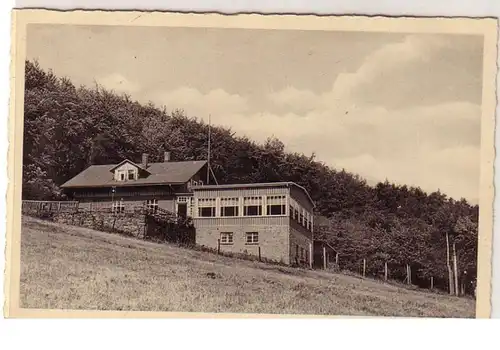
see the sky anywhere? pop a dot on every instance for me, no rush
(403, 107)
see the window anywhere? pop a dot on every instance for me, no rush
(122, 176)
(292, 212)
(183, 199)
(252, 206)
(131, 174)
(302, 253)
(118, 206)
(301, 217)
(152, 205)
(276, 205)
(226, 238)
(229, 206)
(206, 207)
(252, 238)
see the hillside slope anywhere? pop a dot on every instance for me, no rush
(76, 268)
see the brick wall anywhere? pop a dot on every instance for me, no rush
(273, 238)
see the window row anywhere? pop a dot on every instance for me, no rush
(118, 206)
(301, 216)
(250, 238)
(251, 206)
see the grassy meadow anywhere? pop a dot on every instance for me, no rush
(65, 267)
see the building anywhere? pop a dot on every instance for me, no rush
(270, 220)
(166, 185)
(273, 220)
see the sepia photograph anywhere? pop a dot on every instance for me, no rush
(203, 164)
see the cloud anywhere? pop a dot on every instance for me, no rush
(201, 104)
(419, 70)
(414, 49)
(118, 83)
(409, 113)
(454, 171)
(432, 147)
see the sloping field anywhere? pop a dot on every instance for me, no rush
(64, 267)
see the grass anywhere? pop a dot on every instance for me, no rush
(65, 267)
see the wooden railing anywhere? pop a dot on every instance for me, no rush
(31, 206)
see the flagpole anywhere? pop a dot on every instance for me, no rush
(208, 158)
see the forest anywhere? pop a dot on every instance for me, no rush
(67, 128)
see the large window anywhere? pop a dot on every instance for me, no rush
(226, 238)
(252, 206)
(276, 205)
(206, 207)
(252, 238)
(229, 206)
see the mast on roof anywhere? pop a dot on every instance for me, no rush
(208, 157)
(209, 168)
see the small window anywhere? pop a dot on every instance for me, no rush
(131, 174)
(118, 206)
(226, 238)
(152, 205)
(252, 238)
(122, 177)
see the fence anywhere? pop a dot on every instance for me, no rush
(31, 206)
(411, 274)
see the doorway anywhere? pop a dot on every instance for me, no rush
(182, 209)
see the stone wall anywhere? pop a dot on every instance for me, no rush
(130, 224)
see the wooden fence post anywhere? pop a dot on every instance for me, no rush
(364, 267)
(408, 273)
(385, 271)
(337, 259)
(432, 282)
(260, 258)
(324, 258)
(218, 246)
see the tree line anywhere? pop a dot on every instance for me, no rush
(68, 128)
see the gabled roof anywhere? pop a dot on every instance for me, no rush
(130, 162)
(167, 173)
(255, 185)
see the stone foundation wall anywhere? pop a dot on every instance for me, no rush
(130, 224)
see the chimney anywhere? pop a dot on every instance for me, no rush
(144, 160)
(167, 157)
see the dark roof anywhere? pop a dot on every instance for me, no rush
(167, 173)
(254, 185)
